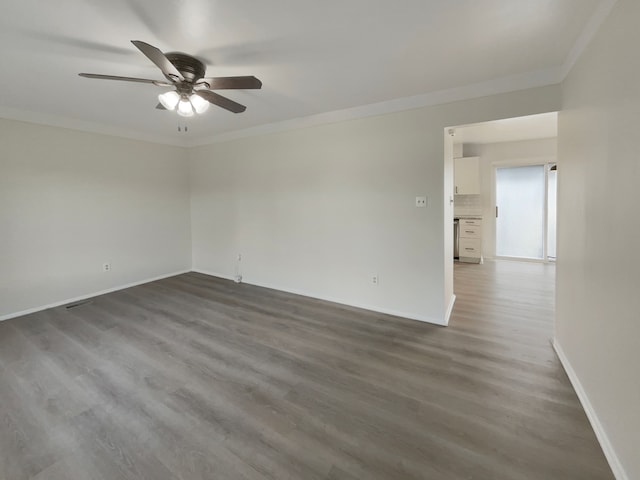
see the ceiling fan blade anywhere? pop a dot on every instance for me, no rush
(159, 106)
(221, 101)
(125, 79)
(162, 62)
(235, 83)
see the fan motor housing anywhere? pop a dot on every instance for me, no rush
(190, 67)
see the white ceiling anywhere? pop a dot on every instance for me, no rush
(531, 127)
(312, 56)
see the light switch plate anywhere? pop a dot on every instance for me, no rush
(421, 202)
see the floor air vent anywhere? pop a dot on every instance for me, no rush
(77, 304)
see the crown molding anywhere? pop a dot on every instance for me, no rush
(512, 83)
(539, 78)
(588, 33)
(83, 126)
(507, 84)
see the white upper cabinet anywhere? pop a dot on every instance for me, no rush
(466, 173)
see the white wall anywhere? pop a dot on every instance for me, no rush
(526, 152)
(598, 270)
(320, 210)
(70, 201)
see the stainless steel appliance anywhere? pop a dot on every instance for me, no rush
(456, 238)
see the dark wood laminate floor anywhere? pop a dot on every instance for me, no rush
(194, 377)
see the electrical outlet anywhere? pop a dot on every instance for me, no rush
(421, 202)
(106, 267)
(238, 276)
(375, 280)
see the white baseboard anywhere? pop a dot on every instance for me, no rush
(89, 295)
(447, 315)
(444, 322)
(214, 274)
(340, 301)
(605, 443)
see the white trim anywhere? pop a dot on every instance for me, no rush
(512, 83)
(340, 301)
(84, 126)
(214, 274)
(447, 315)
(527, 161)
(521, 259)
(601, 434)
(588, 33)
(88, 295)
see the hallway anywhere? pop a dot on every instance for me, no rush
(504, 318)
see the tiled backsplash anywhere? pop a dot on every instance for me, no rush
(467, 205)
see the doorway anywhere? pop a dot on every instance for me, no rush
(521, 152)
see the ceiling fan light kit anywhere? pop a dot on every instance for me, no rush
(193, 92)
(169, 100)
(200, 105)
(185, 109)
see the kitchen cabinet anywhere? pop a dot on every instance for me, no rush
(470, 246)
(466, 174)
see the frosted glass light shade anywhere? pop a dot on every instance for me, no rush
(169, 99)
(185, 109)
(199, 103)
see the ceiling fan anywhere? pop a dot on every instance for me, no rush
(192, 91)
